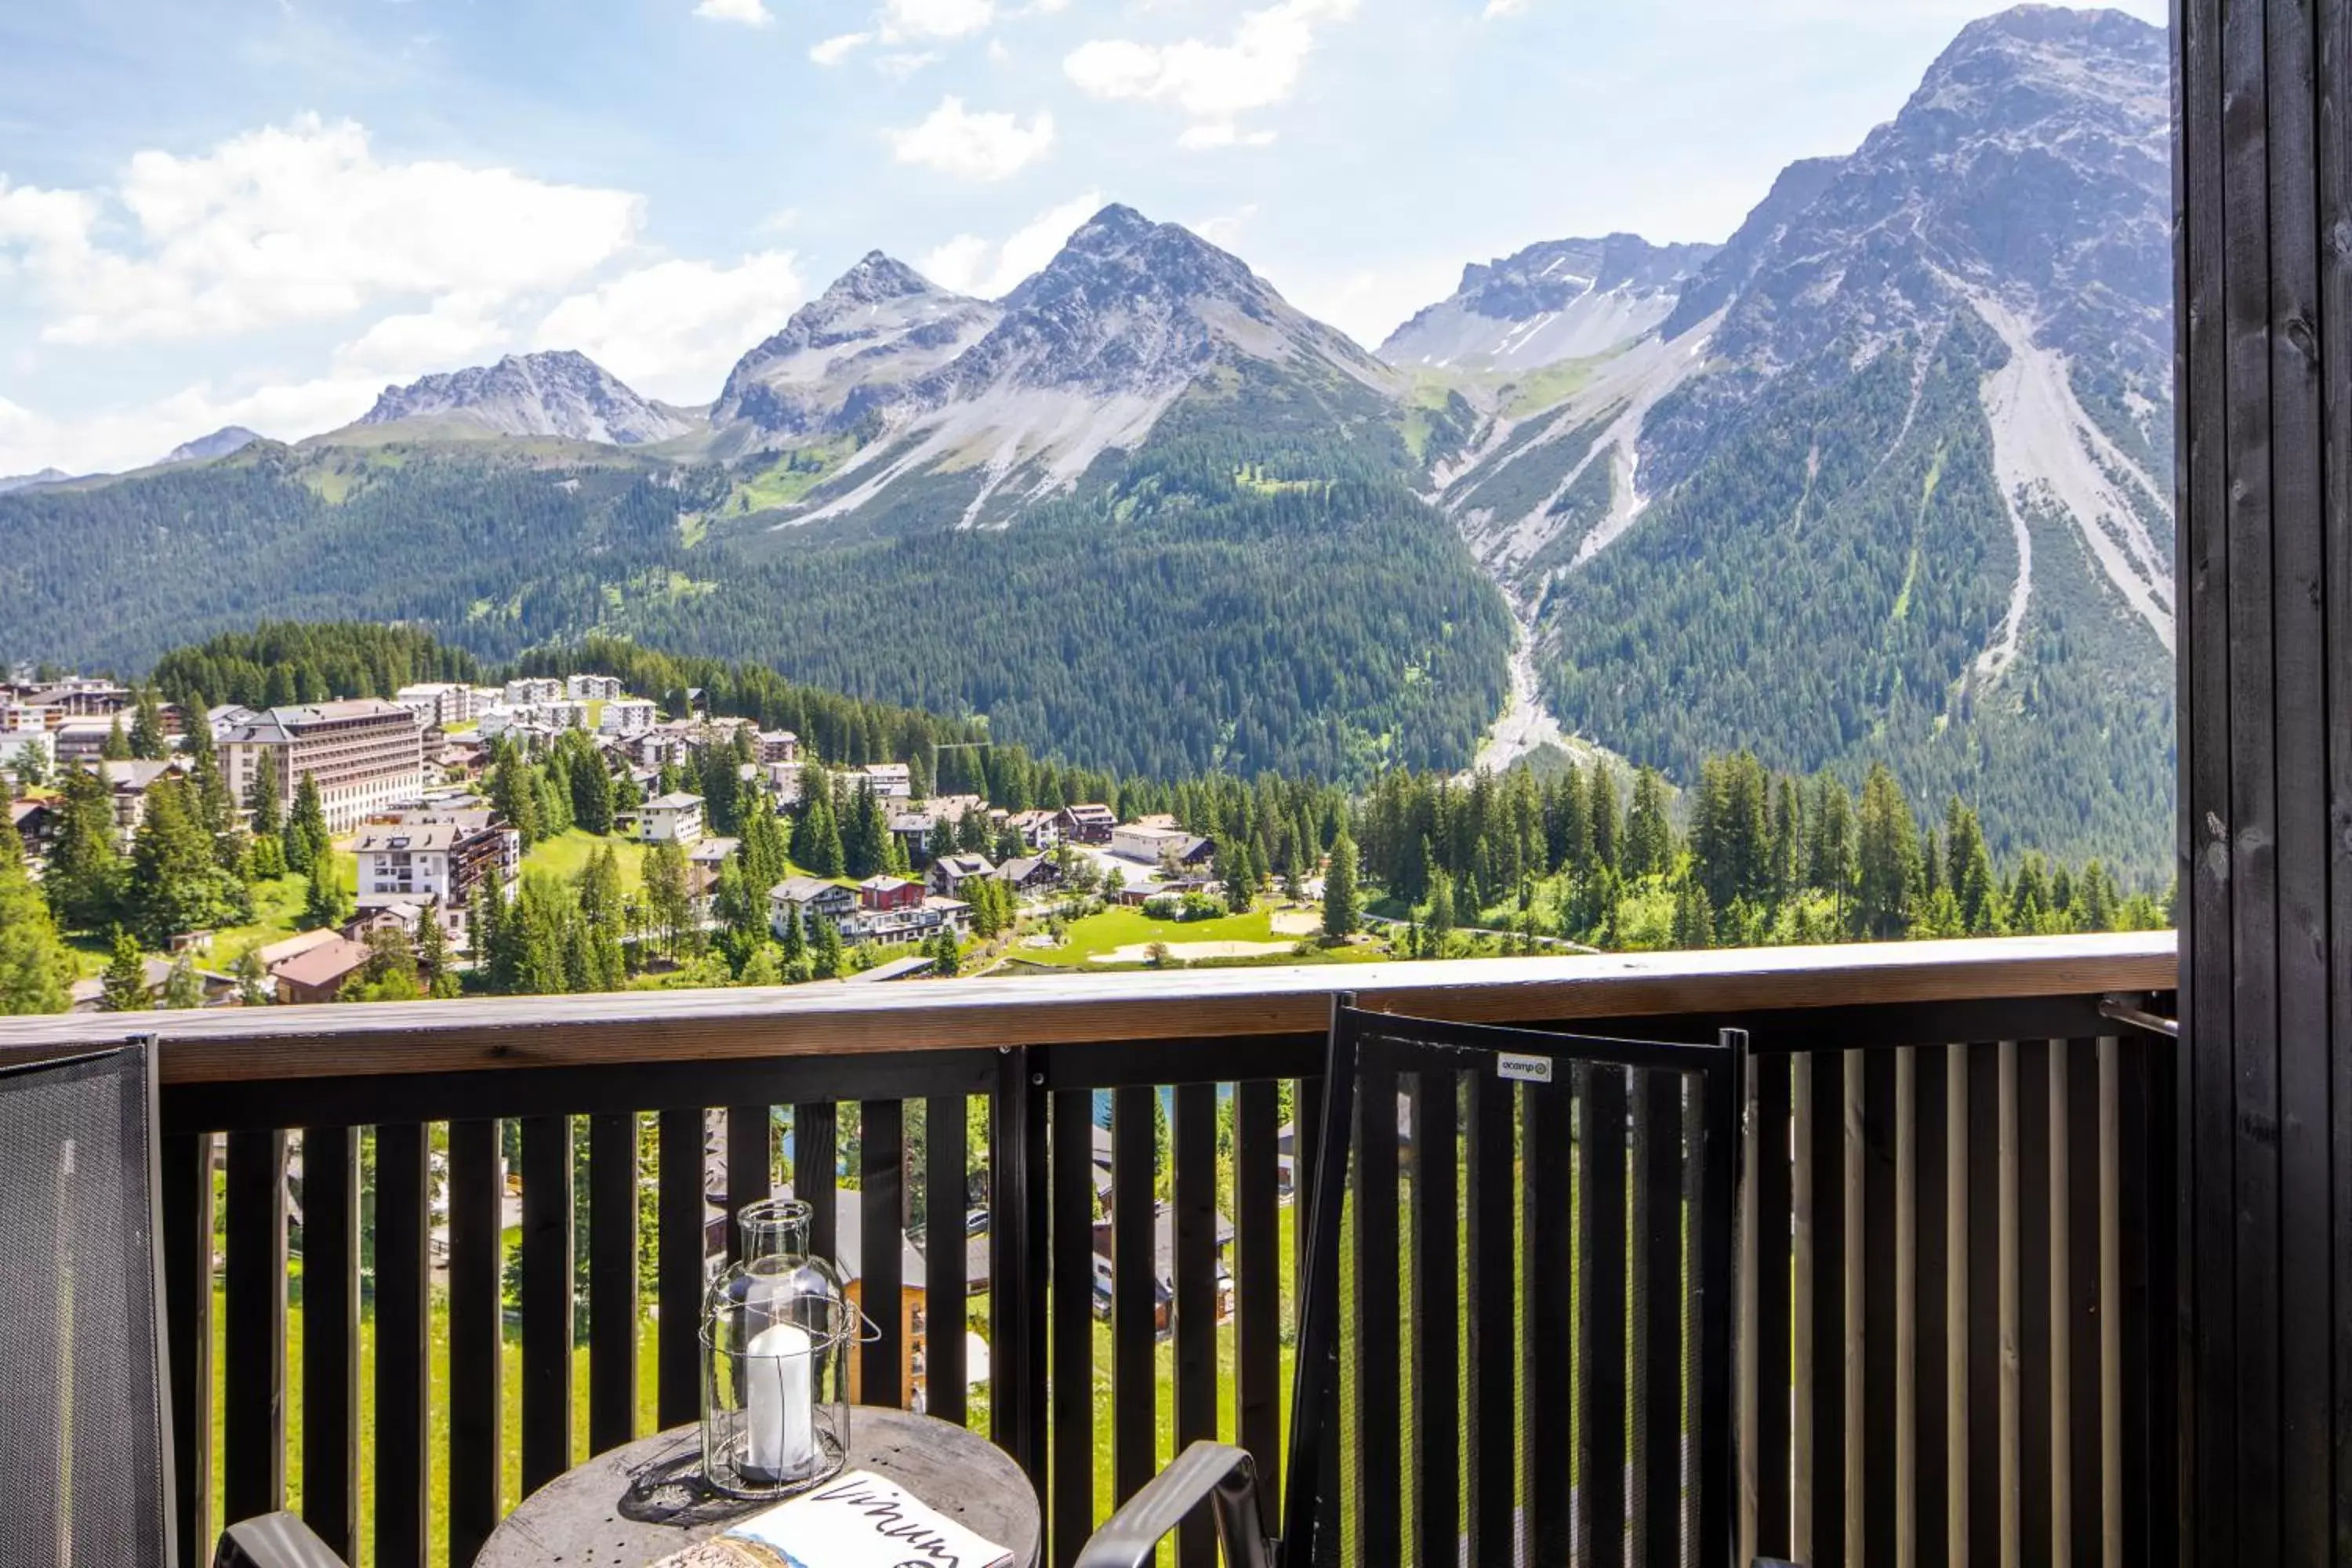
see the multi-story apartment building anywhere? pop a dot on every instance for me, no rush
(592, 687)
(527, 690)
(420, 856)
(444, 703)
(626, 717)
(365, 756)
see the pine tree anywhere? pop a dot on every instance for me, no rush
(1649, 837)
(1693, 926)
(30, 766)
(308, 841)
(181, 989)
(1340, 916)
(84, 882)
(262, 802)
(1602, 813)
(123, 987)
(35, 969)
(116, 747)
(794, 944)
(434, 965)
(252, 979)
(947, 956)
(1240, 877)
(762, 968)
(176, 883)
(824, 954)
(326, 903)
(514, 794)
(1438, 921)
(1887, 858)
(148, 741)
(592, 790)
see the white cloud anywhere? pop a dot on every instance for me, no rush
(839, 47)
(903, 63)
(750, 13)
(986, 145)
(1224, 230)
(1497, 9)
(1369, 305)
(672, 329)
(971, 265)
(297, 223)
(458, 330)
(934, 18)
(1212, 83)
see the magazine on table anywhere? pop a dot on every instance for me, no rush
(856, 1520)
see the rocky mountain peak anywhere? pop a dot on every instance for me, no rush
(877, 277)
(560, 393)
(221, 443)
(1560, 299)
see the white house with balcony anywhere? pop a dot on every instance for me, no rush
(671, 819)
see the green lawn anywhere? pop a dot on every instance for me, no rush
(277, 912)
(1115, 929)
(566, 855)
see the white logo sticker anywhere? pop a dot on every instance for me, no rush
(1525, 1069)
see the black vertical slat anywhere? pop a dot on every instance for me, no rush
(403, 1499)
(1194, 1136)
(2140, 1202)
(946, 1197)
(679, 1267)
(253, 1423)
(1134, 1381)
(1878, 1315)
(547, 1304)
(1258, 1326)
(187, 1182)
(1658, 1324)
(882, 1222)
(1983, 1326)
(1829, 1306)
(1492, 1430)
(815, 1156)
(1438, 1426)
(2167, 1338)
(2333, 220)
(1601, 1314)
(1715, 1275)
(2085, 1435)
(1931, 1156)
(1017, 1232)
(2032, 1220)
(750, 1149)
(2297, 684)
(1377, 1468)
(1775, 1378)
(2255, 1462)
(331, 1336)
(1073, 1490)
(477, 1335)
(1548, 1347)
(1699, 1422)
(612, 1280)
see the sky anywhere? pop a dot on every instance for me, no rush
(263, 212)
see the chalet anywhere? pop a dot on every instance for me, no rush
(671, 819)
(811, 898)
(1163, 1266)
(321, 974)
(920, 921)
(954, 807)
(435, 853)
(950, 872)
(889, 780)
(126, 783)
(704, 864)
(89, 996)
(1029, 876)
(889, 893)
(914, 829)
(36, 823)
(1086, 823)
(1038, 829)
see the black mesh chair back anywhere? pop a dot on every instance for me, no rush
(85, 1458)
(1517, 1344)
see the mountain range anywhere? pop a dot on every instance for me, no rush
(1880, 476)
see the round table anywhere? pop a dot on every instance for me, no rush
(633, 1505)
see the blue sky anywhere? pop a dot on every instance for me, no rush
(263, 211)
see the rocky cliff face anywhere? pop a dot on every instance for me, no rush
(1564, 298)
(561, 394)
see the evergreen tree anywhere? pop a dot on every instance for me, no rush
(1693, 926)
(307, 839)
(123, 987)
(483, 923)
(825, 950)
(792, 944)
(865, 840)
(2096, 897)
(252, 979)
(762, 968)
(116, 747)
(592, 788)
(35, 969)
(434, 967)
(84, 883)
(1240, 878)
(181, 989)
(1829, 861)
(326, 903)
(1438, 920)
(148, 741)
(514, 794)
(1602, 814)
(177, 882)
(1649, 837)
(261, 801)
(816, 842)
(1887, 858)
(666, 898)
(30, 767)
(1340, 916)
(946, 957)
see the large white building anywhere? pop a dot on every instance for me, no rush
(365, 756)
(419, 856)
(523, 692)
(441, 702)
(627, 716)
(671, 818)
(592, 687)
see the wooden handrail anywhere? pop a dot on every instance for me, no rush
(262, 1043)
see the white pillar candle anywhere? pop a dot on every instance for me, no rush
(781, 1439)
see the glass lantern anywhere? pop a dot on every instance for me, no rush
(777, 1328)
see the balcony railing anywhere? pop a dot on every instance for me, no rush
(1958, 1246)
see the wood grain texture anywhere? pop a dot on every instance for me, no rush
(519, 1033)
(331, 1336)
